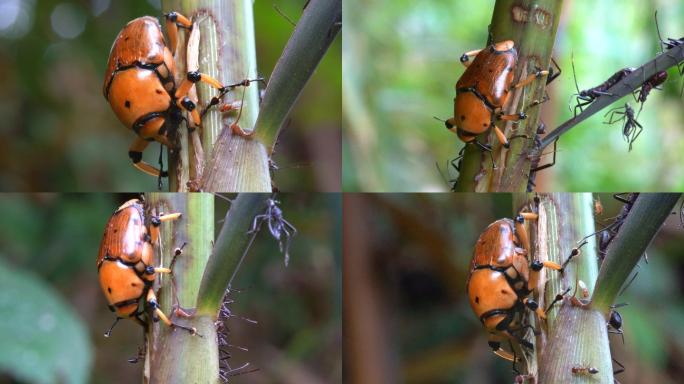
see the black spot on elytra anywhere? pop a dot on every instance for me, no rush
(127, 104)
(477, 299)
(462, 117)
(159, 91)
(504, 292)
(490, 71)
(484, 125)
(134, 285)
(116, 230)
(109, 289)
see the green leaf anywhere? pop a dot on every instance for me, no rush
(43, 341)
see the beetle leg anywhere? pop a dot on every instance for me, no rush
(135, 152)
(512, 117)
(537, 266)
(531, 304)
(520, 228)
(530, 78)
(502, 138)
(495, 344)
(156, 222)
(465, 58)
(173, 20)
(154, 306)
(188, 105)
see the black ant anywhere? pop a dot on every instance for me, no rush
(631, 128)
(280, 229)
(587, 96)
(653, 82)
(669, 44)
(534, 161)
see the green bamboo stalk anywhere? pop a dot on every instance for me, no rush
(226, 52)
(643, 222)
(564, 219)
(316, 30)
(573, 335)
(231, 245)
(532, 25)
(176, 356)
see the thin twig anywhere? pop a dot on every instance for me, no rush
(627, 85)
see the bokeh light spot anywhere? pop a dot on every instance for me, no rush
(68, 21)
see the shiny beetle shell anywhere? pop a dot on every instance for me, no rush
(491, 73)
(125, 253)
(139, 76)
(483, 88)
(498, 260)
(126, 237)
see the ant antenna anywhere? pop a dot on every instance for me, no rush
(658, 30)
(281, 13)
(574, 75)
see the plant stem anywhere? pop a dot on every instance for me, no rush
(571, 336)
(316, 30)
(176, 356)
(532, 27)
(643, 222)
(226, 52)
(231, 245)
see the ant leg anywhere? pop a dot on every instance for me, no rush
(551, 164)
(619, 370)
(229, 106)
(587, 101)
(558, 298)
(552, 75)
(173, 21)
(109, 331)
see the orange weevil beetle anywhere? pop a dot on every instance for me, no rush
(483, 90)
(501, 279)
(139, 84)
(124, 264)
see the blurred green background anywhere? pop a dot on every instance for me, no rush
(54, 313)
(411, 260)
(401, 64)
(60, 134)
